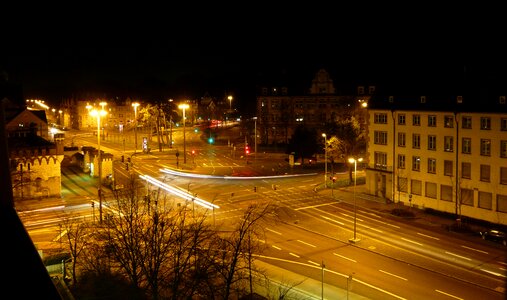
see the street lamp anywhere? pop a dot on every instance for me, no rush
(183, 107)
(135, 105)
(354, 161)
(255, 137)
(230, 102)
(325, 159)
(98, 114)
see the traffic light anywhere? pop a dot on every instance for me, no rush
(211, 140)
(255, 189)
(247, 149)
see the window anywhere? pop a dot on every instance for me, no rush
(360, 90)
(423, 99)
(448, 121)
(416, 120)
(485, 123)
(416, 141)
(380, 118)
(401, 139)
(446, 192)
(448, 143)
(402, 184)
(466, 145)
(401, 119)
(380, 137)
(432, 165)
(503, 149)
(432, 142)
(431, 190)
(467, 197)
(448, 167)
(501, 203)
(466, 170)
(380, 160)
(503, 124)
(416, 187)
(485, 147)
(432, 121)
(503, 175)
(401, 161)
(416, 163)
(485, 173)
(485, 200)
(466, 122)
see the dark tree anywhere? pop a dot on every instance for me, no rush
(303, 143)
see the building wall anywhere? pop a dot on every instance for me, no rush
(36, 176)
(440, 182)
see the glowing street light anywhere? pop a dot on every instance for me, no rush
(325, 159)
(184, 106)
(99, 114)
(135, 105)
(354, 161)
(230, 102)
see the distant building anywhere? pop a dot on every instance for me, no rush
(447, 153)
(280, 111)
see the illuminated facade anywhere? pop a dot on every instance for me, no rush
(443, 153)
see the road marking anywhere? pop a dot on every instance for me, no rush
(494, 273)
(474, 249)
(428, 236)
(273, 231)
(385, 272)
(344, 257)
(308, 244)
(64, 232)
(450, 253)
(295, 255)
(333, 220)
(276, 247)
(503, 269)
(502, 263)
(452, 296)
(347, 215)
(410, 241)
(312, 262)
(313, 206)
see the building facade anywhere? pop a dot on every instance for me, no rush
(280, 112)
(444, 153)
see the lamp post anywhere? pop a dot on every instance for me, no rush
(230, 102)
(255, 137)
(184, 107)
(325, 159)
(99, 114)
(354, 161)
(135, 105)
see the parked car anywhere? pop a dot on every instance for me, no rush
(494, 235)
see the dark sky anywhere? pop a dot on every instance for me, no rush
(220, 54)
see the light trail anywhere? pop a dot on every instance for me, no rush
(178, 192)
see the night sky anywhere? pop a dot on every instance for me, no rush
(159, 60)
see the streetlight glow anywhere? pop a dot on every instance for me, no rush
(354, 161)
(325, 159)
(184, 106)
(135, 105)
(98, 114)
(230, 102)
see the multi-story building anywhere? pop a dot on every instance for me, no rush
(280, 111)
(443, 153)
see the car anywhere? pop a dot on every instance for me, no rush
(494, 235)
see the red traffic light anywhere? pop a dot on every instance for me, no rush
(247, 149)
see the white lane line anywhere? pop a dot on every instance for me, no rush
(329, 219)
(295, 255)
(447, 294)
(450, 253)
(391, 274)
(494, 273)
(502, 263)
(344, 257)
(503, 269)
(313, 206)
(312, 262)
(273, 231)
(410, 241)
(428, 236)
(347, 215)
(276, 247)
(473, 249)
(308, 244)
